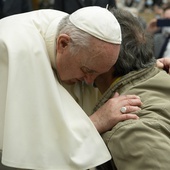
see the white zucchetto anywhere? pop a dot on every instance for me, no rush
(106, 28)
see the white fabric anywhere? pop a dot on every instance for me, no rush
(41, 126)
(106, 28)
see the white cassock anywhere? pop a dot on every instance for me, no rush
(41, 126)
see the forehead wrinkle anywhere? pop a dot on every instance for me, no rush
(102, 54)
(101, 60)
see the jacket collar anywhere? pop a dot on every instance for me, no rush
(134, 76)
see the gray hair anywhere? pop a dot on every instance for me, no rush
(79, 38)
(137, 47)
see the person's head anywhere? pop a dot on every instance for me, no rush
(136, 50)
(88, 44)
(166, 15)
(166, 11)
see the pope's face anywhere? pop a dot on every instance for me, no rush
(86, 65)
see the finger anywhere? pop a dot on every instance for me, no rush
(130, 109)
(116, 95)
(130, 96)
(159, 64)
(126, 100)
(130, 102)
(123, 97)
(161, 60)
(127, 117)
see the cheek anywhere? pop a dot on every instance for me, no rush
(117, 53)
(79, 74)
(167, 14)
(74, 73)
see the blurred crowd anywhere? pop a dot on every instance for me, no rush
(157, 9)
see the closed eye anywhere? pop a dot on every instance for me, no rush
(86, 70)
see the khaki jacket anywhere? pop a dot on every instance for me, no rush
(142, 144)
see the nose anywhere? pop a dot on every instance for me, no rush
(89, 79)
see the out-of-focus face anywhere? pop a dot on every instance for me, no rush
(86, 65)
(166, 30)
(167, 14)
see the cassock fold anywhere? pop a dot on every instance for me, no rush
(42, 127)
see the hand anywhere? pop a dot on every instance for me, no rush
(164, 63)
(109, 114)
(152, 26)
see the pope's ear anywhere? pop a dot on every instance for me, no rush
(62, 42)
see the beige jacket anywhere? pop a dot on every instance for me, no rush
(142, 144)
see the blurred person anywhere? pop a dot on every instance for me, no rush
(142, 143)
(158, 3)
(148, 4)
(129, 3)
(11, 7)
(162, 39)
(41, 125)
(70, 6)
(46, 4)
(161, 34)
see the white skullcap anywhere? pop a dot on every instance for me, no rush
(98, 22)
